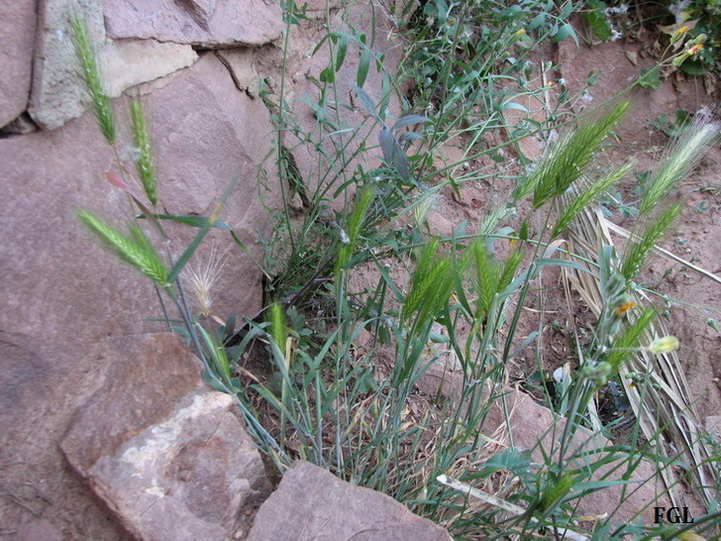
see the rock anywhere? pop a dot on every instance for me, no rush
(205, 23)
(311, 503)
(39, 530)
(536, 428)
(17, 28)
(124, 64)
(59, 92)
(22, 125)
(62, 293)
(223, 134)
(169, 457)
(241, 64)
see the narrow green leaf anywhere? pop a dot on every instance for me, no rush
(409, 120)
(363, 67)
(342, 51)
(192, 221)
(190, 250)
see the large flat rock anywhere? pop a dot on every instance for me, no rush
(17, 28)
(169, 457)
(312, 503)
(206, 23)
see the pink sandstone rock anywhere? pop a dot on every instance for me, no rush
(62, 293)
(58, 90)
(312, 503)
(17, 28)
(168, 456)
(206, 23)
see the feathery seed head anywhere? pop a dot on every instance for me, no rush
(203, 278)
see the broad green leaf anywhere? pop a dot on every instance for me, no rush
(538, 21)
(564, 32)
(342, 50)
(649, 78)
(327, 75)
(566, 10)
(514, 106)
(366, 102)
(596, 20)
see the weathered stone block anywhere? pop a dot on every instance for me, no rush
(17, 28)
(312, 503)
(168, 456)
(206, 23)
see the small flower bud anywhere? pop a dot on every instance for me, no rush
(666, 344)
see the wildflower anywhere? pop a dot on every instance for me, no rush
(615, 35)
(695, 50)
(521, 32)
(624, 307)
(666, 344)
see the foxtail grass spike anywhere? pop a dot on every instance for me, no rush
(91, 74)
(566, 160)
(585, 195)
(431, 286)
(135, 250)
(144, 162)
(638, 250)
(628, 341)
(349, 236)
(278, 325)
(684, 155)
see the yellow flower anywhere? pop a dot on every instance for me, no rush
(695, 50)
(521, 32)
(679, 34)
(624, 307)
(666, 344)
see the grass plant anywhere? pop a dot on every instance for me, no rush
(340, 386)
